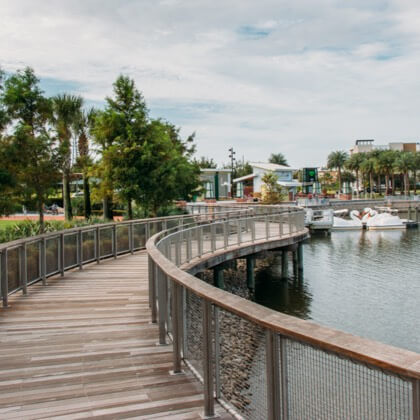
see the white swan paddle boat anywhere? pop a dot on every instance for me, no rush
(381, 221)
(345, 224)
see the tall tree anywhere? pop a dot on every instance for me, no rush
(416, 165)
(66, 112)
(353, 163)
(368, 168)
(205, 163)
(405, 163)
(37, 170)
(337, 160)
(385, 165)
(278, 158)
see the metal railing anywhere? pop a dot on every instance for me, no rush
(27, 261)
(259, 363)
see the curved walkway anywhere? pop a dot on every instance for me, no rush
(84, 347)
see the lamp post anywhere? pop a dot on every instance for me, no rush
(232, 154)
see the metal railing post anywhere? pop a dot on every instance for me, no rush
(239, 230)
(213, 237)
(98, 245)
(131, 237)
(217, 352)
(225, 234)
(43, 251)
(267, 227)
(152, 290)
(189, 245)
(62, 254)
(23, 269)
(284, 379)
(281, 224)
(208, 371)
(178, 245)
(4, 278)
(80, 249)
(272, 372)
(177, 323)
(200, 240)
(147, 231)
(253, 230)
(416, 399)
(289, 216)
(114, 240)
(163, 305)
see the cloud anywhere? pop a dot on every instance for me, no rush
(302, 78)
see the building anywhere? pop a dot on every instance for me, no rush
(367, 145)
(259, 169)
(216, 183)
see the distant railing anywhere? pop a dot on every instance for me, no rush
(27, 261)
(257, 362)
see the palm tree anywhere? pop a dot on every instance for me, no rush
(415, 169)
(368, 168)
(278, 158)
(353, 163)
(66, 112)
(385, 165)
(336, 160)
(81, 128)
(405, 163)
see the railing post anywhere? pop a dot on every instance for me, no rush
(131, 237)
(272, 372)
(284, 379)
(178, 245)
(147, 230)
(217, 352)
(177, 325)
(289, 216)
(225, 234)
(23, 269)
(80, 249)
(239, 232)
(208, 371)
(267, 227)
(189, 245)
(213, 237)
(200, 240)
(62, 254)
(114, 240)
(4, 278)
(44, 261)
(253, 229)
(281, 224)
(416, 399)
(152, 288)
(163, 305)
(98, 245)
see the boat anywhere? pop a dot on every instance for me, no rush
(345, 224)
(381, 221)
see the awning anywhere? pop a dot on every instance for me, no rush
(289, 184)
(244, 178)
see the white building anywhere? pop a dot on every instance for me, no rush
(259, 169)
(216, 183)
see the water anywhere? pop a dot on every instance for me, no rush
(364, 282)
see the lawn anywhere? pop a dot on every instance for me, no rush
(5, 223)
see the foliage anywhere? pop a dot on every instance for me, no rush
(273, 192)
(278, 158)
(337, 160)
(205, 163)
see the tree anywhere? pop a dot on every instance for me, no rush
(416, 166)
(66, 113)
(354, 163)
(273, 193)
(278, 158)
(405, 163)
(336, 160)
(368, 168)
(84, 161)
(205, 163)
(36, 171)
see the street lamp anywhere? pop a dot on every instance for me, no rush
(232, 154)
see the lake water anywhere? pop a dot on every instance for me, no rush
(364, 282)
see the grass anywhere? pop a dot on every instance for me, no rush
(6, 223)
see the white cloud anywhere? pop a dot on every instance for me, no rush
(303, 78)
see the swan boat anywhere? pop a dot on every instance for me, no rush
(345, 224)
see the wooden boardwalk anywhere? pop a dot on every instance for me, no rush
(84, 347)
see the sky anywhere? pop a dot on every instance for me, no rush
(302, 77)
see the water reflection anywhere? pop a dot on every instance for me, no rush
(363, 282)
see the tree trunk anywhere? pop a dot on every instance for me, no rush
(357, 183)
(130, 209)
(406, 185)
(378, 188)
(339, 182)
(86, 197)
(371, 184)
(393, 183)
(107, 207)
(41, 216)
(402, 184)
(415, 182)
(386, 184)
(68, 214)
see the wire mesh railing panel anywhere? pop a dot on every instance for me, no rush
(105, 243)
(13, 269)
(123, 238)
(193, 331)
(323, 385)
(171, 223)
(241, 364)
(52, 255)
(33, 261)
(88, 244)
(70, 250)
(139, 235)
(154, 227)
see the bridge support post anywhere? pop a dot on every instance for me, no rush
(250, 274)
(284, 264)
(218, 277)
(295, 262)
(300, 257)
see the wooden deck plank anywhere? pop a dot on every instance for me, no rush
(84, 347)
